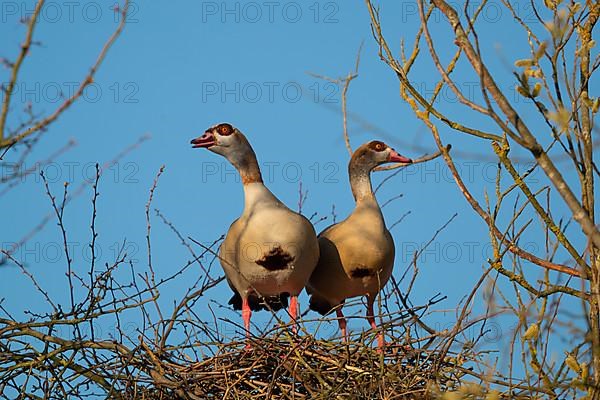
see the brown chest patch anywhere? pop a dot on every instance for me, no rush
(275, 259)
(362, 272)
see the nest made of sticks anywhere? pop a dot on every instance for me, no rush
(287, 366)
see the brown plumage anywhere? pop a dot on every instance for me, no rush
(270, 251)
(357, 254)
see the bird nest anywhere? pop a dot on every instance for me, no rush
(285, 366)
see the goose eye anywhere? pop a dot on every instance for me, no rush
(378, 146)
(225, 129)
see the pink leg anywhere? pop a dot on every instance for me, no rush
(342, 323)
(246, 313)
(293, 309)
(371, 319)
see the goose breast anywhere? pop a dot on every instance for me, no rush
(270, 250)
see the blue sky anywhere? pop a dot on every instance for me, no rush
(183, 66)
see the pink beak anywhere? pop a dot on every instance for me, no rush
(395, 157)
(206, 140)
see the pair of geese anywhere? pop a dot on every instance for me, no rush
(271, 253)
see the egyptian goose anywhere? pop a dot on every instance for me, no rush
(270, 251)
(357, 254)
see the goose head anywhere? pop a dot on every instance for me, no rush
(227, 141)
(223, 139)
(362, 162)
(374, 153)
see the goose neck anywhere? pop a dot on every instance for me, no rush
(247, 166)
(360, 182)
